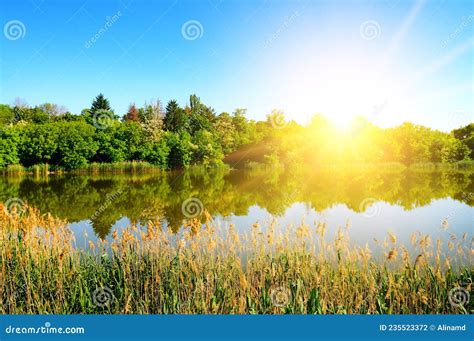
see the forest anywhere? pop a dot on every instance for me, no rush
(174, 136)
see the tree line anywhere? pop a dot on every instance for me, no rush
(170, 137)
(175, 137)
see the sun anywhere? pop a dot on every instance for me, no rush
(345, 89)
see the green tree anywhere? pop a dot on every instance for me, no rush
(7, 116)
(466, 136)
(180, 149)
(77, 144)
(100, 103)
(38, 143)
(155, 152)
(225, 132)
(207, 150)
(201, 117)
(176, 120)
(454, 151)
(9, 141)
(411, 144)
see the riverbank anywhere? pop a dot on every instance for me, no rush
(206, 270)
(141, 167)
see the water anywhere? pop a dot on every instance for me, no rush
(372, 203)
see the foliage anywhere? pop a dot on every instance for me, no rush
(179, 137)
(466, 135)
(76, 145)
(100, 103)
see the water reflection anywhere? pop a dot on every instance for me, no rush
(104, 200)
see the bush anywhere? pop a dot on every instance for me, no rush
(77, 144)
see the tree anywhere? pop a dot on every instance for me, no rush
(33, 115)
(410, 141)
(53, 109)
(100, 103)
(155, 152)
(132, 113)
(9, 141)
(151, 111)
(201, 117)
(180, 149)
(207, 150)
(454, 151)
(76, 145)
(151, 120)
(176, 120)
(119, 142)
(38, 143)
(225, 132)
(7, 115)
(466, 136)
(242, 126)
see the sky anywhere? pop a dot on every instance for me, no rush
(388, 60)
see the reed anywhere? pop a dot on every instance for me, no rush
(134, 167)
(212, 269)
(14, 170)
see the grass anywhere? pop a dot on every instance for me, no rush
(118, 168)
(142, 167)
(213, 270)
(134, 167)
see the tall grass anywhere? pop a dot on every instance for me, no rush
(14, 170)
(118, 168)
(212, 270)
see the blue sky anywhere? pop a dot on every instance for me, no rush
(388, 60)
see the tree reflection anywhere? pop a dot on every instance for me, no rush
(223, 192)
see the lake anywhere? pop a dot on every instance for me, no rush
(369, 203)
